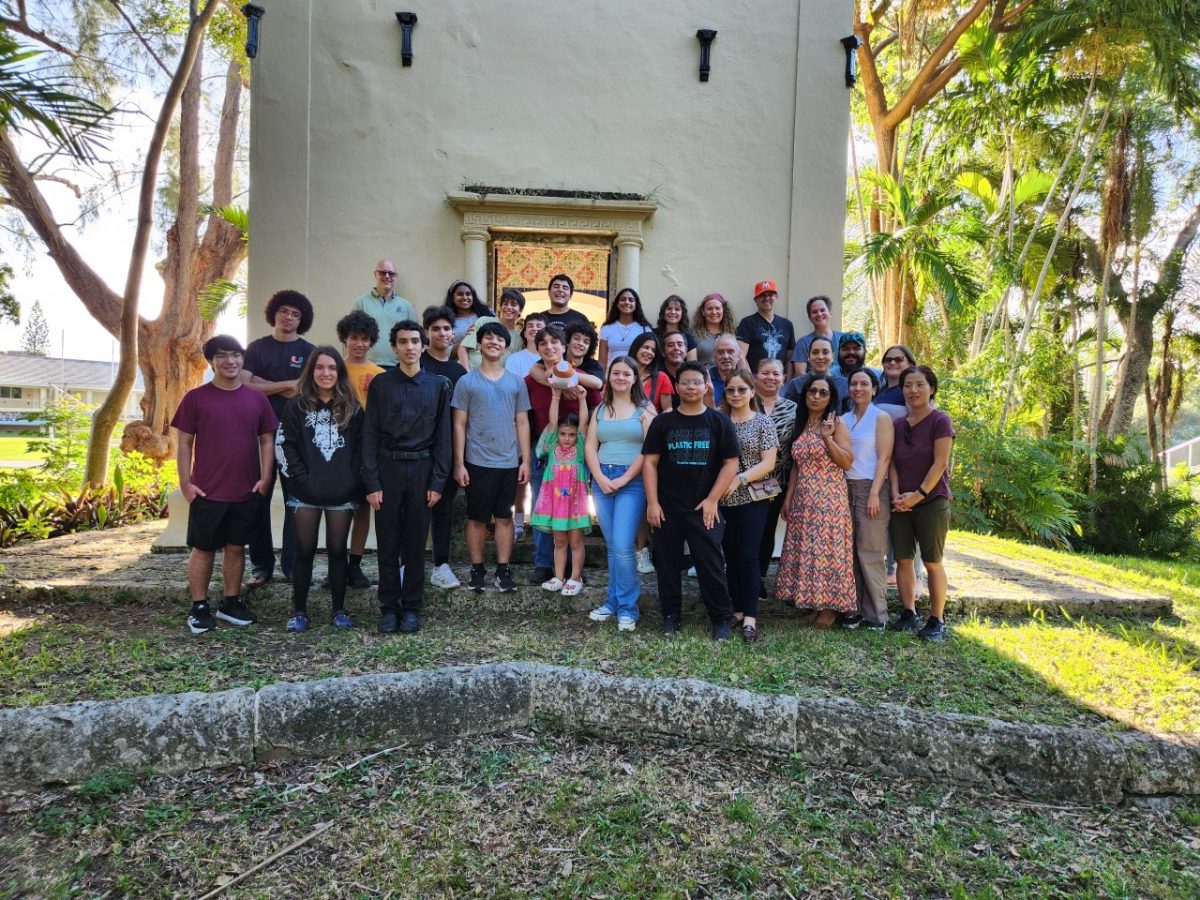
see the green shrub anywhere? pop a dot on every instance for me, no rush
(1013, 485)
(1128, 513)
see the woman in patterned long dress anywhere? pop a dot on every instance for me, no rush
(816, 568)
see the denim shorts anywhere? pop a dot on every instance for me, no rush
(294, 503)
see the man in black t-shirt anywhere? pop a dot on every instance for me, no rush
(439, 323)
(691, 459)
(561, 289)
(763, 333)
(272, 366)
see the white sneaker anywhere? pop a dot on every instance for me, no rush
(443, 577)
(554, 585)
(626, 624)
(645, 565)
(601, 614)
(571, 588)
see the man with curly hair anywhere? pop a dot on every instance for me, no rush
(272, 366)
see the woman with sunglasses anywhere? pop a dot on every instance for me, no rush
(896, 359)
(816, 568)
(746, 503)
(920, 477)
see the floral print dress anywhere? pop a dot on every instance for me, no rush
(816, 567)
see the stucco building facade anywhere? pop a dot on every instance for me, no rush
(594, 111)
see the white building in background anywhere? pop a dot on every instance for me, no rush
(28, 383)
(531, 137)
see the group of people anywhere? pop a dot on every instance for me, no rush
(691, 437)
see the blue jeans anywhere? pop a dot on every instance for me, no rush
(620, 514)
(543, 541)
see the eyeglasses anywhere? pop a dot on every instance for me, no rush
(288, 313)
(384, 273)
(737, 390)
(698, 385)
(817, 392)
(895, 359)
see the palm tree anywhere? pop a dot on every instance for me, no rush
(922, 246)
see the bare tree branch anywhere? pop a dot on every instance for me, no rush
(141, 38)
(22, 26)
(69, 185)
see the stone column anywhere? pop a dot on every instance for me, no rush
(475, 267)
(629, 263)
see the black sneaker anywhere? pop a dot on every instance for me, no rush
(850, 622)
(504, 580)
(387, 621)
(874, 626)
(200, 619)
(721, 631)
(235, 612)
(541, 575)
(410, 621)
(908, 621)
(356, 579)
(478, 579)
(934, 630)
(670, 625)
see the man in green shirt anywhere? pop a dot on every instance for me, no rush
(386, 307)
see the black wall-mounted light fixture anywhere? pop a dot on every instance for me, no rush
(408, 21)
(851, 44)
(253, 13)
(706, 36)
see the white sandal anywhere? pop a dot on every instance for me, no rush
(554, 585)
(571, 588)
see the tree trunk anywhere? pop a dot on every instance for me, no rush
(1139, 333)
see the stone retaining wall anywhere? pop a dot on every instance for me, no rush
(173, 733)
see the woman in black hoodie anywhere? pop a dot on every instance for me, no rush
(319, 450)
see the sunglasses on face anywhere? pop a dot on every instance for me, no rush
(817, 392)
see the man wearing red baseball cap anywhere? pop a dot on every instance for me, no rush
(764, 334)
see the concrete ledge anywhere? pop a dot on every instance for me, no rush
(174, 733)
(166, 732)
(688, 709)
(322, 718)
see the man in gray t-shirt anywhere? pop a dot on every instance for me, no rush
(491, 451)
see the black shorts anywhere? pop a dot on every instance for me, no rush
(926, 525)
(490, 493)
(212, 524)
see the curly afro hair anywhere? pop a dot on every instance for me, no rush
(294, 299)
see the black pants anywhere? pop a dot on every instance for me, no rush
(337, 530)
(681, 525)
(443, 510)
(401, 526)
(742, 523)
(767, 546)
(262, 549)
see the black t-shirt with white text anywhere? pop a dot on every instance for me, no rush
(691, 451)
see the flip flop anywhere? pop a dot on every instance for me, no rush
(258, 579)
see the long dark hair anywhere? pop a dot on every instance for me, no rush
(614, 312)
(636, 394)
(478, 307)
(656, 366)
(344, 404)
(684, 325)
(831, 406)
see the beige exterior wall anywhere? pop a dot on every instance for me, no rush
(354, 157)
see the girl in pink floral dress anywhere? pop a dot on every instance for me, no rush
(816, 567)
(561, 506)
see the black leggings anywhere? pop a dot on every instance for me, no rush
(337, 530)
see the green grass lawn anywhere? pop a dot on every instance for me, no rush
(1098, 673)
(550, 815)
(13, 448)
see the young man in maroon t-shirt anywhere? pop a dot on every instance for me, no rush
(225, 437)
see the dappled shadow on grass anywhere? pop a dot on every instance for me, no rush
(1016, 671)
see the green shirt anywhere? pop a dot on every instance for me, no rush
(386, 313)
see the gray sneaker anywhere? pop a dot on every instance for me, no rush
(443, 577)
